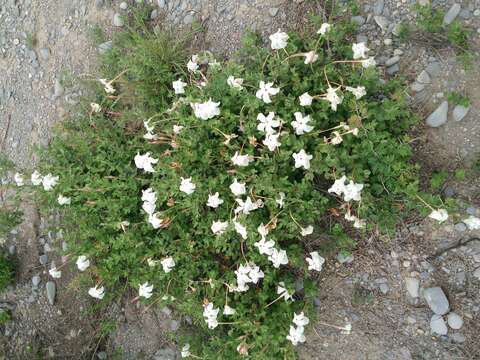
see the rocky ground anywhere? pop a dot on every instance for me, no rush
(414, 296)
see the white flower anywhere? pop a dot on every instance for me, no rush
(235, 82)
(265, 90)
(279, 40)
(296, 335)
(238, 188)
(154, 220)
(359, 224)
(338, 186)
(300, 319)
(300, 124)
(265, 246)
(185, 351)
(54, 273)
(359, 51)
(36, 178)
(82, 263)
(358, 91)
(145, 290)
(247, 206)
(305, 99)
(310, 57)
(240, 160)
(148, 207)
(97, 292)
(210, 314)
(187, 186)
(283, 292)
(214, 200)
(472, 222)
(149, 128)
(107, 86)
(267, 123)
(248, 273)
(206, 110)
(177, 128)
(18, 178)
(324, 28)
(240, 229)
(96, 108)
(149, 195)
(306, 231)
(302, 159)
(219, 227)
(63, 200)
(168, 264)
(352, 191)
(192, 64)
(271, 142)
(315, 262)
(145, 162)
(179, 86)
(337, 138)
(227, 310)
(278, 257)
(49, 181)
(333, 98)
(369, 62)
(262, 230)
(280, 199)
(440, 215)
(255, 273)
(152, 263)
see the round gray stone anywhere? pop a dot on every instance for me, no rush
(51, 292)
(436, 300)
(412, 285)
(454, 321)
(437, 325)
(451, 14)
(117, 20)
(439, 116)
(36, 280)
(459, 112)
(43, 259)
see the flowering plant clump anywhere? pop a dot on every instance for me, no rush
(200, 186)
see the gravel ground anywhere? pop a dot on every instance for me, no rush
(44, 46)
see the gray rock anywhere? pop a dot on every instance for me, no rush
(412, 285)
(451, 14)
(439, 116)
(44, 53)
(437, 325)
(174, 325)
(12, 249)
(273, 11)
(393, 69)
(472, 210)
(104, 47)
(384, 288)
(342, 259)
(417, 87)
(378, 7)
(454, 321)
(165, 354)
(58, 89)
(51, 292)
(476, 273)
(460, 227)
(36, 280)
(436, 300)
(434, 68)
(43, 259)
(154, 14)
(161, 4)
(102, 355)
(123, 5)
(382, 22)
(118, 20)
(465, 14)
(424, 78)
(359, 20)
(458, 338)
(459, 112)
(392, 61)
(188, 19)
(449, 192)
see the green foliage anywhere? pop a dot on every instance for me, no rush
(460, 174)
(5, 317)
(93, 155)
(6, 271)
(31, 41)
(438, 179)
(458, 99)
(96, 34)
(458, 35)
(9, 215)
(429, 19)
(404, 32)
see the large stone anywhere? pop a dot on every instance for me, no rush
(378, 7)
(438, 326)
(459, 112)
(392, 61)
(118, 20)
(51, 292)
(454, 321)
(434, 68)
(424, 78)
(436, 300)
(412, 286)
(451, 14)
(439, 116)
(382, 22)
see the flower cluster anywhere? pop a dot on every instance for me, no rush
(248, 273)
(296, 334)
(210, 314)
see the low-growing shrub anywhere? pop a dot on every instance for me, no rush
(214, 194)
(6, 271)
